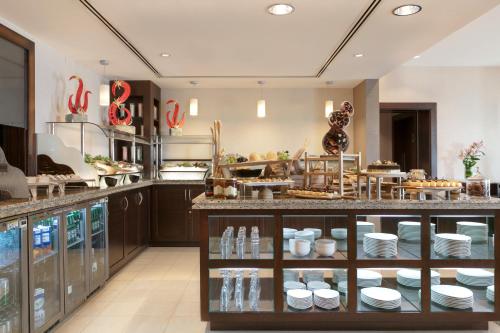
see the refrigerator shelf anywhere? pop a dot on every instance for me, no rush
(44, 257)
(8, 264)
(76, 243)
(97, 232)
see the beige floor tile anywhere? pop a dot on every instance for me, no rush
(74, 324)
(107, 324)
(164, 309)
(121, 309)
(165, 296)
(93, 307)
(125, 276)
(146, 324)
(187, 309)
(185, 325)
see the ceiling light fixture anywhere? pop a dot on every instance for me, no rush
(104, 88)
(416, 57)
(261, 103)
(358, 55)
(193, 102)
(406, 10)
(165, 55)
(328, 102)
(280, 9)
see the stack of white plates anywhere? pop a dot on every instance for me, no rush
(313, 275)
(363, 228)
(455, 245)
(411, 231)
(339, 233)
(339, 275)
(475, 277)
(326, 299)
(315, 285)
(290, 275)
(412, 277)
(382, 298)
(289, 233)
(291, 285)
(368, 278)
(317, 232)
(380, 244)
(490, 293)
(299, 299)
(305, 235)
(450, 296)
(342, 287)
(478, 232)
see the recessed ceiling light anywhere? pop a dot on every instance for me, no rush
(280, 9)
(358, 55)
(406, 10)
(416, 57)
(165, 55)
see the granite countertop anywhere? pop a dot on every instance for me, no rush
(15, 207)
(178, 182)
(201, 202)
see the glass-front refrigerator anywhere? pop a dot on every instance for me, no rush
(45, 270)
(98, 236)
(75, 257)
(13, 276)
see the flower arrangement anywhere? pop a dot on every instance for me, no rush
(471, 155)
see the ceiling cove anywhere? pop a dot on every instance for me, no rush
(350, 34)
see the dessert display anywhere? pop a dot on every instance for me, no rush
(184, 170)
(478, 186)
(106, 167)
(264, 181)
(434, 183)
(313, 194)
(384, 167)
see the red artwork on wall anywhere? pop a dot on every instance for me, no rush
(118, 100)
(77, 107)
(173, 121)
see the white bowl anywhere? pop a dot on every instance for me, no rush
(325, 247)
(339, 233)
(299, 247)
(289, 233)
(317, 232)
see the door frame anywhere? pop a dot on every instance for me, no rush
(415, 106)
(29, 46)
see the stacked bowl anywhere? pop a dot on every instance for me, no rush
(475, 277)
(313, 275)
(368, 278)
(299, 247)
(326, 299)
(450, 296)
(478, 232)
(363, 228)
(325, 247)
(316, 231)
(381, 298)
(412, 277)
(339, 233)
(380, 244)
(490, 294)
(291, 285)
(305, 235)
(454, 245)
(299, 299)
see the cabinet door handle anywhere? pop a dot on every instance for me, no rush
(140, 198)
(190, 199)
(126, 202)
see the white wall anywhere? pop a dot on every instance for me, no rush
(52, 90)
(468, 109)
(292, 117)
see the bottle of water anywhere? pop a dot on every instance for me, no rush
(254, 293)
(255, 242)
(239, 291)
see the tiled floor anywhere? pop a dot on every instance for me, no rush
(156, 293)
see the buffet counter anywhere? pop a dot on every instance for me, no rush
(388, 264)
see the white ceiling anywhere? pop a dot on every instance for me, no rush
(238, 38)
(476, 44)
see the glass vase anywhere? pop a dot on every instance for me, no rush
(468, 168)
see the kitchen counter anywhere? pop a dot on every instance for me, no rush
(15, 207)
(204, 203)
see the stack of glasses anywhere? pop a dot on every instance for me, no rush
(240, 242)
(254, 293)
(255, 242)
(226, 291)
(226, 243)
(228, 288)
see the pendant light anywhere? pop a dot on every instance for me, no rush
(328, 102)
(193, 102)
(104, 88)
(261, 103)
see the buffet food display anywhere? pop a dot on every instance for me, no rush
(112, 173)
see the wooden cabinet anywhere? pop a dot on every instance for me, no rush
(172, 222)
(128, 226)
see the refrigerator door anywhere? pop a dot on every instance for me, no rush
(13, 272)
(98, 230)
(45, 270)
(75, 258)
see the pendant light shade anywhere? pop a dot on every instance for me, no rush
(261, 108)
(261, 103)
(328, 108)
(104, 95)
(193, 107)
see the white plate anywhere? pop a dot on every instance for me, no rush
(452, 237)
(379, 236)
(381, 297)
(452, 292)
(317, 232)
(291, 285)
(313, 285)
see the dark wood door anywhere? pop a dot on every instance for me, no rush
(169, 209)
(116, 228)
(404, 140)
(131, 222)
(142, 199)
(194, 227)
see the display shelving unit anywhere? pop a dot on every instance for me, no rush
(416, 312)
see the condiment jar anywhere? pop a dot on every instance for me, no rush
(209, 187)
(478, 186)
(231, 188)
